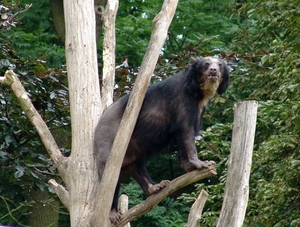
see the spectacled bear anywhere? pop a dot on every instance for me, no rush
(172, 111)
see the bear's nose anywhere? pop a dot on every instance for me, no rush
(213, 71)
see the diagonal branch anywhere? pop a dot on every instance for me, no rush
(175, 185)
(109, 178)
(11, 79)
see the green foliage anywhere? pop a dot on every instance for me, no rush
(214, 145)
(275, 179)
(264, 34)
(210, 30)
(269, 35)
(170, 212)
(25, 165)
(35, 36)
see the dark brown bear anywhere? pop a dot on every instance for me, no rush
(172, 111)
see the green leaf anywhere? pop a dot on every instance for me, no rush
(295, 163)
(20, 172)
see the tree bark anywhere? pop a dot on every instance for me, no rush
(109, 180)
(196, 210)
(123, 206)
(79, 170)
(57, 8)
(85, 108)
(109, 46)
(175, 185)
(239, 165)
(59, 21)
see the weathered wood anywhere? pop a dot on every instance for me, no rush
(59, 22)
(175, 185)
(11, 79)
(196, 210)
(85, 108)
(61, 192)
(239, 165)
(123, 206)
(110, 175)
(79, 170)
(109, 46)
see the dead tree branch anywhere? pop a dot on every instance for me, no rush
(11, 79)
(196, 210)
(175, 185)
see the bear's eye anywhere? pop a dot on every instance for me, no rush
(220, 65)
(207, 63)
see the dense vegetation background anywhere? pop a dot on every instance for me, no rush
(265, 37)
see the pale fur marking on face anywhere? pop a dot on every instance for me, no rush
(210, 86)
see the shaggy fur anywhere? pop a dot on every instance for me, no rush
(172, 111)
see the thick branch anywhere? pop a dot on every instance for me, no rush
(175, 185)
(35, 118)
(109, 180)
(196, 210)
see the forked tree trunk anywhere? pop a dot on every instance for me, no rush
(88, 203)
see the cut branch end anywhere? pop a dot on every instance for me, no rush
(61, 192)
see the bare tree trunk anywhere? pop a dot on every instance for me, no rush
(58, 19)
(109, 180)
(85, 106)
(239, 166)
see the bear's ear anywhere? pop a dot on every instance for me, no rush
(192, 73)
(225, 80)
(193, 60)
